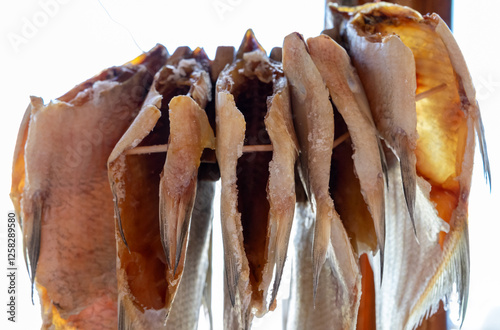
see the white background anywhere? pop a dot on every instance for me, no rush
(72, 40)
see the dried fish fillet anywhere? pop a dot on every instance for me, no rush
(258, 189)
(389, 40)
(314, 122)
(153, 245)
(61, 191)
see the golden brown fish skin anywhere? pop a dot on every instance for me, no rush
(258, 190)
(447, 121)
(149, 275)
(65, 198)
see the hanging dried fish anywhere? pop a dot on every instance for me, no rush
(155, 196)
(356, 179)
(61, 191)
(368, 252)
(314, 122)
(258, 189)
(398, 53)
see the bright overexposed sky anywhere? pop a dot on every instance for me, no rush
(48, 46)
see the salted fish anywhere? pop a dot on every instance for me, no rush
(258, 188)
(314, 123)
(61, 192)
(385, 41)
(155, 195)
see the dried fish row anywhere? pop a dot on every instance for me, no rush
(373, 170)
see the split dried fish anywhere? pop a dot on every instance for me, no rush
(373, 159)
(351, 175)
(357, 176)
(400, 54)
(152, 245)
(61, 192)
(258, 189)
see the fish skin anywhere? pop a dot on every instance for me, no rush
(309, 310)
(281, 186)
(190, 134)
(191, 289)
(391, 103)
(447, 122)
(65, 200)
(144, 182)
(402, 282)
(349, 98)
(316, 142)
(245, 292)
(315, 130)
(233, 131)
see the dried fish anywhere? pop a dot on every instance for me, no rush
(390, 43)
(258, 189)
(61, 191)
(155, 197)
(314, 122)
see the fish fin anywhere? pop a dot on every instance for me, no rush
(381, 255)
(482, 147)
(413, 284)
(33, 236)
(181, 236)
(320, 246)
(237, 315)
(207, 289)
(179, 177)
(118, 215)
(123, 319)
(383, 160)
(280, 258)
(450, 279)
(175, 219)
(381, 239)
(409, 177)
(232, 275)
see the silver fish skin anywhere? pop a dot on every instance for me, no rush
(306, 311)
(185, 310)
